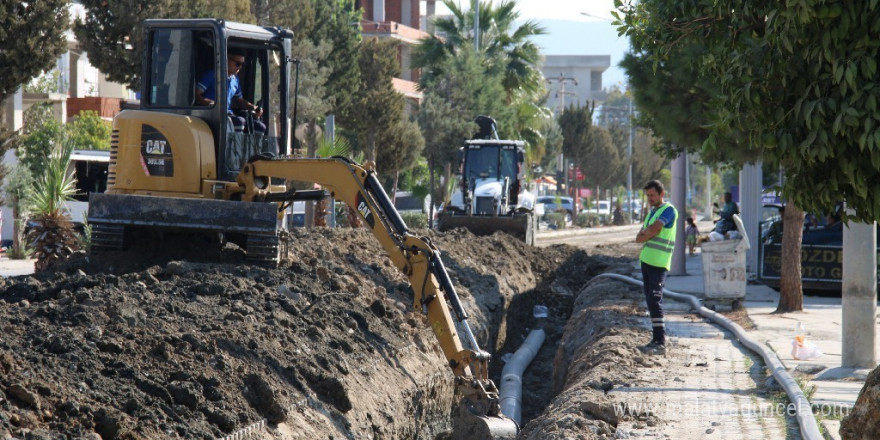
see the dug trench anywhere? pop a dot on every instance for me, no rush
(178, 342)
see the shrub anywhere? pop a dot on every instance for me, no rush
(587, 220)
(415, 220)
(556, 220)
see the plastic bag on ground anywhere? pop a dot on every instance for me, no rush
(804, 351)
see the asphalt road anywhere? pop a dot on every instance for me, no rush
(589, 237)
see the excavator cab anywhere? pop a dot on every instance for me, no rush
(186, 56)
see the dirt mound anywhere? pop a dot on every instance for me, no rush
(132, 345)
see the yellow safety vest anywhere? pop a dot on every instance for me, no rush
(658, 251)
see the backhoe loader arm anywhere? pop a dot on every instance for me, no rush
(416, 257)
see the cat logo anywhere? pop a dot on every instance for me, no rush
(155, 147)
(364, 209)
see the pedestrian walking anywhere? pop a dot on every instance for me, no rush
(691, 232)
(658, 236)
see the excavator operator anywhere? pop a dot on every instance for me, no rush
(206, 93)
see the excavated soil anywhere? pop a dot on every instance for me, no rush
(181, 341)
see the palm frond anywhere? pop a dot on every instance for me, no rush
(339, 146)
(55, 186)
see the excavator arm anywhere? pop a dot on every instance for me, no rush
(418, 258)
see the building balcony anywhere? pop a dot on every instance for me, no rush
(392, 29)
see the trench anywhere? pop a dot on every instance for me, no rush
(557, 291)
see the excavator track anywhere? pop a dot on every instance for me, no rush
(107, 237)
(263, 249)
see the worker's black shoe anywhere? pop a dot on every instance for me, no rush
(654, 348)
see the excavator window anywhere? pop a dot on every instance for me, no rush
(177, 58)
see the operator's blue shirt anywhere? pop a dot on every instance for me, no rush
(667, 217)
(209, 88)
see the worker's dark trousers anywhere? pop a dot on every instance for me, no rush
(654, 279)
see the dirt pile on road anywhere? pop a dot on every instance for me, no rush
(135, 346)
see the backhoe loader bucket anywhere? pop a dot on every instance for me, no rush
(111, 215)
(521, 226)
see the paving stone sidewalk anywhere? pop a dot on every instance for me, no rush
(836, 388)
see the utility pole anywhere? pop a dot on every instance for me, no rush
(629, 160)
(477, 26)
(562, 80)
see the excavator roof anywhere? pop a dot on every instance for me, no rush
(495, 142)
(231, 28)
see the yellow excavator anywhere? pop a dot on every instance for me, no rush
(177, 165)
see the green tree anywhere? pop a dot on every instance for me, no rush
(507, 47)
(112, 30)
(647, 164)
(400, 150)
(506, 52)
(795, 85)
(552, 145)
(603, 165)
(450, 105)
(40, 134)
(378, 108)
(576, 125)
(335, 24)
(88, 131)
(33, 38)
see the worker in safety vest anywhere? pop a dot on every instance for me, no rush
(658, 236)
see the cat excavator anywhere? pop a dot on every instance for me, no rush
(180, 167)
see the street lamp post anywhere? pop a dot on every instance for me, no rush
(562, 80)
(629, 163)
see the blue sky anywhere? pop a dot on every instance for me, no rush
(569, 32)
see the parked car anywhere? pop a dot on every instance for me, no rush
(564, 204)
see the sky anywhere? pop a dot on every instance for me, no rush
(571, 33)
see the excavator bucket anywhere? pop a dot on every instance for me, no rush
(468, 426)
(521, 226)
(112, 214)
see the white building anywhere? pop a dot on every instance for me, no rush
(574, 79)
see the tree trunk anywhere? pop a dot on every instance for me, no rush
(394, 186)
(17, 249)
(791, 296)
(447, 174)
(433, 192)
(311, 148)
(371, 143)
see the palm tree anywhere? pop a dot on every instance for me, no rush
(53, 236)
(507, 49)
